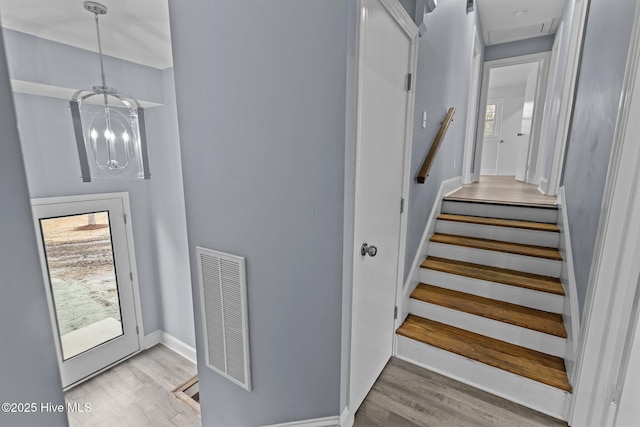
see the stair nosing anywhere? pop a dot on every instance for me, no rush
(475, 300)
(543, 361)
(504, 271)
(521, 253)
(501, 203)
(507, 223)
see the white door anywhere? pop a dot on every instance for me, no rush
(84, 252)
(385, 59)
(524, 138)
(510, 129)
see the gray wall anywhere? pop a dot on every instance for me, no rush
(29, 369)
(53, 169)
(442, 81)
(518, 48)
(261, 106)
(602, 67)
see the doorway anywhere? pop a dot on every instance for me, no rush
(85, 249)
(510, 118)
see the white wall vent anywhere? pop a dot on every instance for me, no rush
(223, 300)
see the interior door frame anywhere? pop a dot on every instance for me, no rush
(123, 197)
(543, 59)
(552, 84)
(551, 184)
(404, 21)
(475, 77)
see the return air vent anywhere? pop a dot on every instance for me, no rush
(520, 33)
(223, 298)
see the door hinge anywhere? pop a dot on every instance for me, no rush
(395, 312)
(402, 205)
(131, 276)
(409, 81)
(125, 218)
(137, 330)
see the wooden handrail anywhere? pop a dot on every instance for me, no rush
(431, 155)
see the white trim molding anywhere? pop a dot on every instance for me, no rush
(578, 21)
(475, 74)
(172, 343)
(447, 187)
(345, 419)
(316, 422)
(615, 270)
(570, 312)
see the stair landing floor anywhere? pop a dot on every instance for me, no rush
(502, 189)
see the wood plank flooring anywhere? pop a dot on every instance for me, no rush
(499, 246)
(537, 320)
(406, 395)
(521, 279)
(531, 364)
(136, 393)
(498, 222)
(502, 189)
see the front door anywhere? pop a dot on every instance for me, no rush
(385, 60)
(84, 252)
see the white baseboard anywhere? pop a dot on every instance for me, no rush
(347, 418)
(317, 422)
(544, 186)
(154, 338)
(570, 311)
(172, 343)
(447, 187)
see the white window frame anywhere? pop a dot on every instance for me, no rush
(499, 103)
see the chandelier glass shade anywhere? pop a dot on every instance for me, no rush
(109, 127)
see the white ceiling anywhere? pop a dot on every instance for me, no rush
(512, 75)
(134, 30)
(510, 20)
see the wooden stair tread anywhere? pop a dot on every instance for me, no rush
(505, 276)
(500, 202)
(518, 360)
(498, 222)
(525, 317)
(497, 245)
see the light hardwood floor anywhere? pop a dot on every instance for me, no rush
(406, 395)
(136, 393)
(502, 189)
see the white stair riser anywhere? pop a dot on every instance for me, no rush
(528, 338)
(525, 213)
(532, 394)
(528, 264)
(507, 293)
(506, 234)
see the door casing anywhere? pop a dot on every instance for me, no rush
(543, 58)
(123, 197)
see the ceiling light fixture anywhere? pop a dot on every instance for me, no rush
(109, 126)
(521, 12)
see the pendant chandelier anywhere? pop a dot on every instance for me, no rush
(109, 127)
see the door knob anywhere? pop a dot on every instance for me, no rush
(368, 250)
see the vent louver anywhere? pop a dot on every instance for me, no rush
(223, 299)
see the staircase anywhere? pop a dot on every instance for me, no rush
(488, 308)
